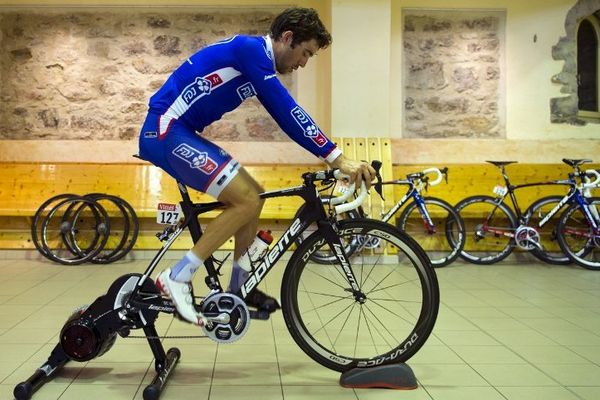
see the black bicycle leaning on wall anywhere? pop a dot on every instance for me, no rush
(375, 307)
(494, 229)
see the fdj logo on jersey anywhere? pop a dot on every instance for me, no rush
(308, 126)
(195, 158)
(194, 90)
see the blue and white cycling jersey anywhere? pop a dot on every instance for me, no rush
(219, 77)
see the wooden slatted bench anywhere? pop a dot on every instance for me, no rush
(24, 186)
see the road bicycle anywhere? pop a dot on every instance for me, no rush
(375, 307)
(494, 229)
(430, 221)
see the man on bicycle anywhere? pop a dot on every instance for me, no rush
(211, 82)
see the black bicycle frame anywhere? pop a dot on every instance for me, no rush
(313, 211)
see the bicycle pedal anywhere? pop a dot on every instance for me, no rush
(260, 314)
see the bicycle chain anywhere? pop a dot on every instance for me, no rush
(163, 337)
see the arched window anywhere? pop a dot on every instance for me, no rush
(588, 67)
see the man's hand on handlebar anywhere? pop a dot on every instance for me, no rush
(358, 171)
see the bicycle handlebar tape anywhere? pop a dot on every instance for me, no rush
(392, 376)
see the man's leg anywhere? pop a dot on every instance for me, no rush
(239, 219)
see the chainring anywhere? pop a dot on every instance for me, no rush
(233, 314)
(527, 238)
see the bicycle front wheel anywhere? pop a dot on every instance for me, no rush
(386, 322)
(444, 238)
(489, 226)
(576, 236)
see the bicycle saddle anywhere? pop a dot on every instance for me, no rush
(574, 163)
(501, 163)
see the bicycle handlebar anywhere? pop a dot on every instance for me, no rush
(362, 196)
(438, 173)
(591, 184)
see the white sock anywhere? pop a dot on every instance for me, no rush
(185, 268)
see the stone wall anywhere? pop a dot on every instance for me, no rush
(564, 109)
(88, 73)
(452, 74)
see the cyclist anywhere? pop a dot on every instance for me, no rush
(208, 84)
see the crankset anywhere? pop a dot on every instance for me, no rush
(228, 317)
(527, 238)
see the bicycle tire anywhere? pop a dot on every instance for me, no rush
(326, 256)
(577, 238)
(58, 231)
(39, 217)
(552, 252)
(497, 247)
(443, 245)
(411, 299)
(124, 229)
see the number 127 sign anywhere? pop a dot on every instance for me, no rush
(168, 214)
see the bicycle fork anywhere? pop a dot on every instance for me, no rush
(332, 235)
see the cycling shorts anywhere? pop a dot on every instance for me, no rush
(185, 155)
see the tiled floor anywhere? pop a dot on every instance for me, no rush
(515, 330)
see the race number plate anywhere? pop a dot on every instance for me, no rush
(168, 214)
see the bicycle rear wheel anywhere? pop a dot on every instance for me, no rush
(387, 322)
(443, 241)
(577, 238)
(488, 227)
(551, 251)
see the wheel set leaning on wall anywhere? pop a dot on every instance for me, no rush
(72, 229)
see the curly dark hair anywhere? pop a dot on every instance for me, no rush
(304, 23)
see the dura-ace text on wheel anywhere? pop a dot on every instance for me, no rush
(385, 321)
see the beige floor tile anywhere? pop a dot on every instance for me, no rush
(534, 393)
(573, 337)
(239, 353)
(463, 393)
(447, 375)
(586, 393)
(419, 393)
(318, 392)
(100, 391)
(527, 337)
(514, 375)
(549, 355)
(479, 312)
(453, 338)
(498, 324)
(219, 392)
(246, 374)
(573, 374)
(15, 354)
(432, 354)
(487, 355)
(526, 313)
(310, 374)
(18, 335)
(591, 353)
(550, 324)
(112, 374)
(292, 353)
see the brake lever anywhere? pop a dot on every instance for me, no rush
(444, 172)
(376, 164)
